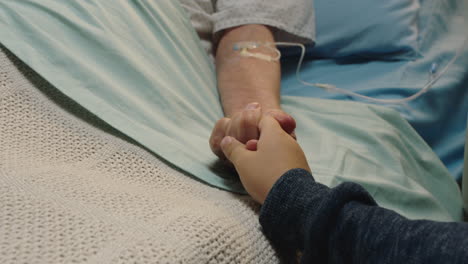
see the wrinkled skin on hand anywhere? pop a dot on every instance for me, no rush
(243, 126)
(261, 162)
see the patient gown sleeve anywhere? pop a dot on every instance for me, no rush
(294, 20)
(345, 225)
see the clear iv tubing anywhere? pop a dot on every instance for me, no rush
(434, 77)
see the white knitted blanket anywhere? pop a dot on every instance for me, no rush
(73, 190)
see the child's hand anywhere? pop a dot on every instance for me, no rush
(276, 153)
(243, 126)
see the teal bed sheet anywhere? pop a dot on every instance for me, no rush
(139, 66)
(439, 115)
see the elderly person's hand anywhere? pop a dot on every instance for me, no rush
(260, 163)
(243, 126)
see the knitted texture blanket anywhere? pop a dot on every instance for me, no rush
(74, 190)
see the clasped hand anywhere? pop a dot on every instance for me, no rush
(243, 126)
(260, 145)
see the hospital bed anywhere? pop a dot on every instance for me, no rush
(106, 108)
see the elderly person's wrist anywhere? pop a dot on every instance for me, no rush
(236, 105)
(234, 112)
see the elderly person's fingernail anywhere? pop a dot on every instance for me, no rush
(226, 141)
(252, 106)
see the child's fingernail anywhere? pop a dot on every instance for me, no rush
(252, 106)
(225, 141)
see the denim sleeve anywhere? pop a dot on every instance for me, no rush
(345, 225)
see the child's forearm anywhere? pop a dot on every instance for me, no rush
(344, 225)
(242, 80)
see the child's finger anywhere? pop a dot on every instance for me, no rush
(232, 149)
(268, 124)
(251, 145)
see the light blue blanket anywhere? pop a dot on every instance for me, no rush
(439, 116)
(138, 66)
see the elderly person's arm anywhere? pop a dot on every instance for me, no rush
(243, 80)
